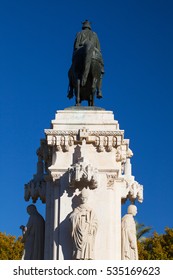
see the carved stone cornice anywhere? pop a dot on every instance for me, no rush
(106, 133)
(103, 140)
(90, 132)
(60, 132)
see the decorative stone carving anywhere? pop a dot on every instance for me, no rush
(121, 153)
(128, 237)
(83, 133)
(82, 174)
(135, 192)
(84, 228)
(60, 132)
(111, 179)
(36, 188)
(131, 190)
(107, 142)
(33, 235)
(101, 139)
(45, 152)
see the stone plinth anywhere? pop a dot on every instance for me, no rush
(84, 148)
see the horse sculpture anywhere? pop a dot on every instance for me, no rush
(85, 74)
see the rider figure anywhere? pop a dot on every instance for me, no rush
(87, 35)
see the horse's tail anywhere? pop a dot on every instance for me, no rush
(88, 57)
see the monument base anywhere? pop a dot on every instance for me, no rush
(84, 149)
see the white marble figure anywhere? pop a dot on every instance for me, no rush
(129, 241)
(33, 235)
(84, 229)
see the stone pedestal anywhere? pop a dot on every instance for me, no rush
(84, 148)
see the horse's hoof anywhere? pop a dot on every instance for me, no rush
(99, 95)
(70, 96)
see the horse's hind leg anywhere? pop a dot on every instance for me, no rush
(78, 93)
(91, 100)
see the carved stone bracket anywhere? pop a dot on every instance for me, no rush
(34, 190)
(135, 192)
(60, 142)
(132, 191)
(106, 143)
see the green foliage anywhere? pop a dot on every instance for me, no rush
(10, 247)
(141, 229)
(157, 247)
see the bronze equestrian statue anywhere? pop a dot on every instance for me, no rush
(85, 73)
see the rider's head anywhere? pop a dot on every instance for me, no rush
(86, 25)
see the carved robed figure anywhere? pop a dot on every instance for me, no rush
(129, 241)
(33, 235)
(85, 73)
(83, 229)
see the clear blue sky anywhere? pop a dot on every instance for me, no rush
(35, 53)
